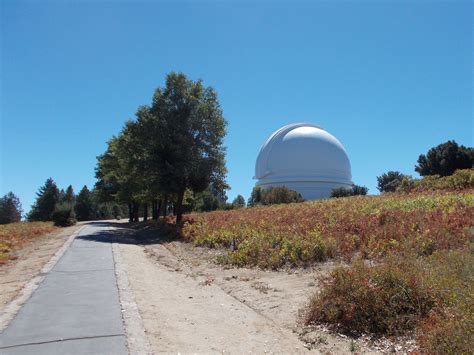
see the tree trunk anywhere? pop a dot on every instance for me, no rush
(136, 207)
(154, 210)
(165, 206)
(130, 213)
(158, 209)
(145, 212)
(179, 208)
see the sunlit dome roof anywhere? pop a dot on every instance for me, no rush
(303, 154)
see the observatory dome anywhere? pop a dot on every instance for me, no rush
(303, 157)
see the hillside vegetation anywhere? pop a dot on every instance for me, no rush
(13, 236)
(409, 262)
(369, 226)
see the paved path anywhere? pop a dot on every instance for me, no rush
(76, 309)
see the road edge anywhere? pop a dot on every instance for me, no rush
(137, 340)
(12, 308)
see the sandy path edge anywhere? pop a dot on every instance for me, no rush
(180, 314)
(137, 341)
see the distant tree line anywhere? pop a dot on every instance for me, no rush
(171, 158)
(442, 160)
(64, 207)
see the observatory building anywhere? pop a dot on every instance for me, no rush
(305, 158)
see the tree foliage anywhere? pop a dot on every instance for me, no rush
(46, 199)
(63, 214)
(84, 207)
(445, 159)
(389, 181)
(175, 145)
(273, 195)
(10, 208)
(239, 202)
(349, 191)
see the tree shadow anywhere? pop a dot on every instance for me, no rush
(138, 233)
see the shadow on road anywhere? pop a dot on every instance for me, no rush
(139, 233)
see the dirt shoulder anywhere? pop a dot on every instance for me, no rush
(15, 274)
(190, 304)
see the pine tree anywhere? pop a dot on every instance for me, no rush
(84, 205)
(239, 202)
(47, 197)
(69, 195)
(10, 209)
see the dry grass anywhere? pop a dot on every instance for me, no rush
(16, 235)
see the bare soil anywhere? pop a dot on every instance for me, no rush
(189, 303)
(15, 274)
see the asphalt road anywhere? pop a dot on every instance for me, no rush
(76, 309)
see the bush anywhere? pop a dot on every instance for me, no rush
(273, 196)
(63, 215)
(389, 181)
(449, 328)
(432, 295)
(355, 190)
(280, 194)
(460, 180)
(386, 299)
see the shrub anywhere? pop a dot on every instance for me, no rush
(280, 194)
(389, 181)
(273, 195)
(449, 328)
(460, 180)
(385, 299)
(63, 215)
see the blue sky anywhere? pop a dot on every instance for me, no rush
(389, 79)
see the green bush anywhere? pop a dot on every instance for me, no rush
(64, 215)
(280, 194)
(461, 179)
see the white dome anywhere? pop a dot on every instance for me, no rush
(303, 157)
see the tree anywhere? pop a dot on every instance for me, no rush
(445, 159)
(280, 194)
(239, 202)
(84, 206)
(47, 197)
(63, 214)
(273, 195)
(69, 195)
(10, 209)
(389, 181)
(255, 198)
(185, 129)
(349, 191)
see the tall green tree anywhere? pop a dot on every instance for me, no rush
(255, 198)
(69, 195)
(10, 208)
(46, 199)
(185, 138)
(84, 206)
(445, 159)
